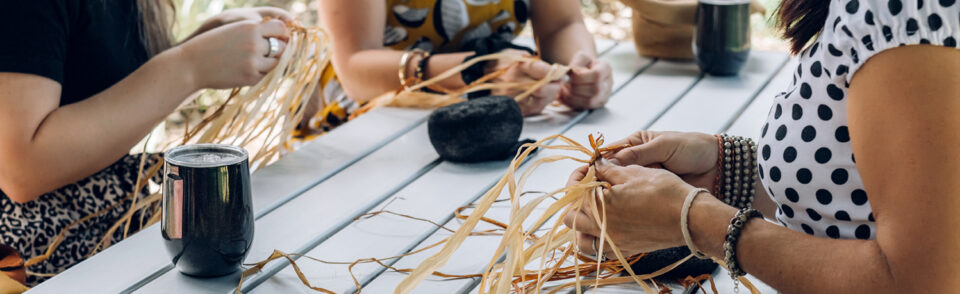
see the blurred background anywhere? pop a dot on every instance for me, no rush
(608, 19)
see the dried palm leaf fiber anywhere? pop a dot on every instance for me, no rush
(512, 274)
(415, 97)
(481, 129)
(260, 118)
(553, 251)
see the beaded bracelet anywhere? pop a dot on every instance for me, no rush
(739, 170)
(733, 235)
(421, 69)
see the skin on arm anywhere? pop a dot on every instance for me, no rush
(563, 38)
(44, 146)
(366, 69)
(559, 29)
(904, 135)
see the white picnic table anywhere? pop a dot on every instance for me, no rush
(309, 201)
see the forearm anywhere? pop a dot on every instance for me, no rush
(763, 202)
(561, 45)
(789, 261)
(370, 73)
(77, 140)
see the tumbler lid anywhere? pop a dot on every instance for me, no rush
(206, 155)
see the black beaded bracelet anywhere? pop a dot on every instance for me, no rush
(733, 235)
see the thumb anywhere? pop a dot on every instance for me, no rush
(611, 173)
(581, 60)
(536, 70)
(644, 154)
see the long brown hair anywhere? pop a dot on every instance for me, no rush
(157, 17)
(801, 20)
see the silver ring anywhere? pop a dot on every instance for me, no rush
(274, 47)
(594, 246)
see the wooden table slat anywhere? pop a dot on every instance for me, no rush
(442, 189)
(719, 99)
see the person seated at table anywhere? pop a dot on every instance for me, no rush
(372, 37)
(857, 162)
(81, 82)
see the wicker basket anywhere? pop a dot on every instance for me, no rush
(665, 28)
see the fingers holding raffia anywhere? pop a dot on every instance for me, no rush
(535, 69)
(581, 60)
(581, 221)
(642, 154)
(273, 12)
(612, 174)
(585, 76)
(577, 175)
(635, 139)
(274, 28)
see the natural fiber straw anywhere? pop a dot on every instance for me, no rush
(260, 118)
(522, 247)
(415, 97)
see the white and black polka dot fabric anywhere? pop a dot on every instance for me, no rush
(806, 161)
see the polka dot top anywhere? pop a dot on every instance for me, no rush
(806, 161)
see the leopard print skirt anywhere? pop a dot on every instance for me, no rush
(30, 227)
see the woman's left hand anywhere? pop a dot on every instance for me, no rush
(642, 209)
(590, 84)
(242, 14)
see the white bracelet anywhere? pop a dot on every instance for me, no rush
(684, 213)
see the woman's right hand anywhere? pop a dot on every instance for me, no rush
(692, 156)
(233, 55)
(523, 73)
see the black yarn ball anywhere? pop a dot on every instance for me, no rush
(659, 259)
(481, 129)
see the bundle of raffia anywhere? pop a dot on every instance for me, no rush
(415, 96)
(259, 118)
(553, 254)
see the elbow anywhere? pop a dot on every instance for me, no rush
(19, 193)
(16, 182)
(355, 78)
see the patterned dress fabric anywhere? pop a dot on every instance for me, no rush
(31, 227)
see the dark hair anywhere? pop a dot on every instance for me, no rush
(801, 20)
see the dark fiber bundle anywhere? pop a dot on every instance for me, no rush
(659, 259)
(481, 129)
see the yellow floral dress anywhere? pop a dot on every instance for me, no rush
(438, 26)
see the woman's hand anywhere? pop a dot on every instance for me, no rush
(523, 73)
(242, 14)
(642, 209)
(693, 156)
(233, 55)
(590, 84)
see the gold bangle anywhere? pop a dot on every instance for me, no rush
(404, 61)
